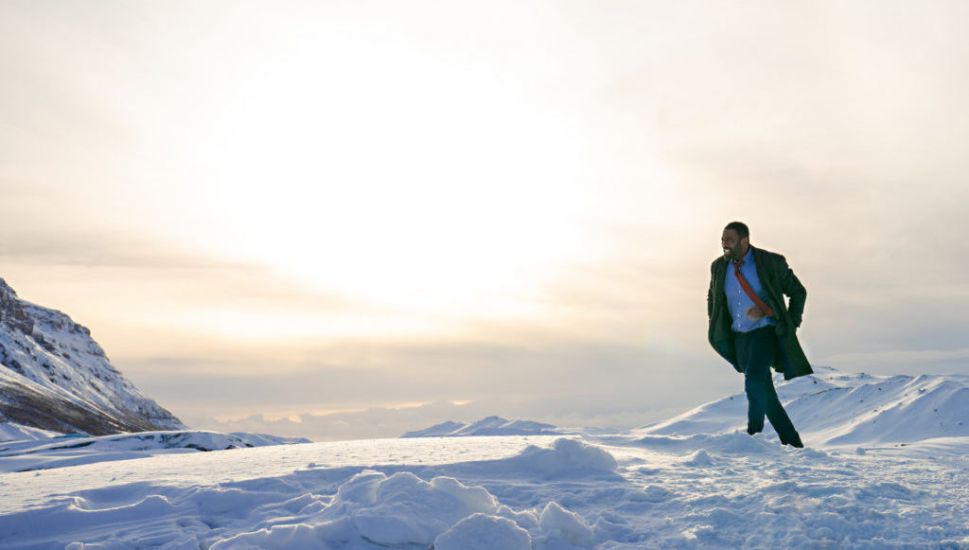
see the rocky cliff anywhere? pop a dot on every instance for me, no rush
(54, 376)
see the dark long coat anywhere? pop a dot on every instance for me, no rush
(778, 280)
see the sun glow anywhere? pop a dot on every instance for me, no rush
(391, 177)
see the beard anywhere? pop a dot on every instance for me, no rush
(733, 253)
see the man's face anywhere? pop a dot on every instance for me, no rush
(733, 245)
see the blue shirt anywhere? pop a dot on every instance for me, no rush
(737, 300)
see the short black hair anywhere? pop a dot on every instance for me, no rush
(740, 228)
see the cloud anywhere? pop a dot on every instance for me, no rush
(905, 361)
(161, 269)
(102, 249)
(559, 382)
(376, 422)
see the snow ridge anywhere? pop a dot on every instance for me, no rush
(839, 408)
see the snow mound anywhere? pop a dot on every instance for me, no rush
(374, 510)
(484, 532)
(371, 508)
(492, 425)
(564, 529)
(837, 408)
(700, 459)
(567, 459)
(404, 509)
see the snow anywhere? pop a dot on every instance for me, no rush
(11, 431)
(484, 532)
(564, 528)
(835, 408)
(378, 509)
(696, 481)
(63, 450)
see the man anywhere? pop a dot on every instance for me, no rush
(753, 328)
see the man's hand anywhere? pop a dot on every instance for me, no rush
(755, 314)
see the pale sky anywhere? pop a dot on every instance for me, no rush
(399, 213)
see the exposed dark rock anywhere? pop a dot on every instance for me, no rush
(12, 314)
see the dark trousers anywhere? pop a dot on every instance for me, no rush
(755, 353)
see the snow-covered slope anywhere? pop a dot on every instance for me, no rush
(71, 450)
(492, 425)
(11, 431)
(54, 376)
(838, 408)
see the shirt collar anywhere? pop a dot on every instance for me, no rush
(748, 256)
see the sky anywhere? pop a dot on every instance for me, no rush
(353, 219)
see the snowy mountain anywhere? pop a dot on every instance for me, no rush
(886, 466)
(492, 425)
(54, 376)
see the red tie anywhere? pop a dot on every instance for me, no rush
(750, 292)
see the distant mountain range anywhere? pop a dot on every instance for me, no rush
(54, 376)
(492, 425)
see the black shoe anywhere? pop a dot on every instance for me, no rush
(753, 431)
(795, 442)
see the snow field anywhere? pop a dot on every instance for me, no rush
(706, 491)
(696, 481)
(317, 507)
(37, 452)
